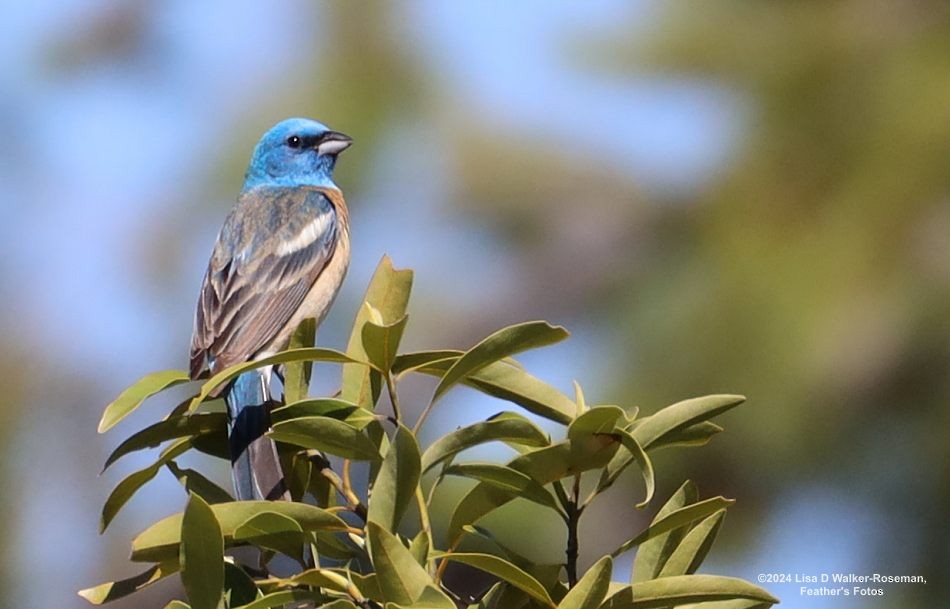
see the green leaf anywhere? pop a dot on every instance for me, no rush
(508, 382)
(160, 541)
(278, 599)
(653, 554)
(341, 410)
(410, 362)
(434, 598)
(396, 483)
(585, 453)
(110, 591)
(297, 374)
(262, 524)
(368, 585)
(683, 589)
(631, 446)
(606, 419)
(505, 426)
(501, 344)
(388, 294)
(238, 586)
(544, 465)
(328, 435)
(324, 407)
(681, 423)
(419, 548)
(299, 475)
(600, 419)
(681, 415)
(401, 578)
(177, 604)
(591, 589)
(377, 435)
(500, 567)
(202, 555)
(314, 354)
(505, 479)
(504, 596)
(132, 483)
(693, 435)
(195, 482)
(380, 341)
(675, 519)
(431, 598)
(331, 546)
(694, 547)
(274, 531)
(579, 398)
(169, 429)
(142, 389)
(321, 578)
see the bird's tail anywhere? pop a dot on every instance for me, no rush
(255, 466)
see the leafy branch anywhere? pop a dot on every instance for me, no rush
(357, 548)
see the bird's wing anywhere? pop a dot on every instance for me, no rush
(272, 248)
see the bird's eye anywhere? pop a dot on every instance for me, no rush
(293, 141)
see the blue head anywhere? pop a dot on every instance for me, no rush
(295, 152)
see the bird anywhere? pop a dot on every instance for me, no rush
(279, 259)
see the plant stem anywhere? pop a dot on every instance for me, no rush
(393, 398)
(423, 513)
(347, 485)
(443, 564)
(574, 511)
(353, 501)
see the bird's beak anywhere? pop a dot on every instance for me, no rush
(333, 142)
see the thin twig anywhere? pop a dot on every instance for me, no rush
(393, 398)
(423, 513)
(347, 485)
(444, 563)
(353, 502)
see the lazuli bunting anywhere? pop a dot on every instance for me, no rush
(279, 259)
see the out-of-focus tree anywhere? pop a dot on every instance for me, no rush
(812, 272)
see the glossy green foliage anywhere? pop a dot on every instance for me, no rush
(388, 547)
(201, 555)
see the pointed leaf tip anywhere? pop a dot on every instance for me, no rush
(497, 346)
(401, 579)
(138, 392)
(386, 300)
(110, 591)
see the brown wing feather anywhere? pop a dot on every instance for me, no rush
(252, 286)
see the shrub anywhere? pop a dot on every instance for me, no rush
(380, 549)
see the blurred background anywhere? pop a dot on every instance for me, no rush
(713, 197)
